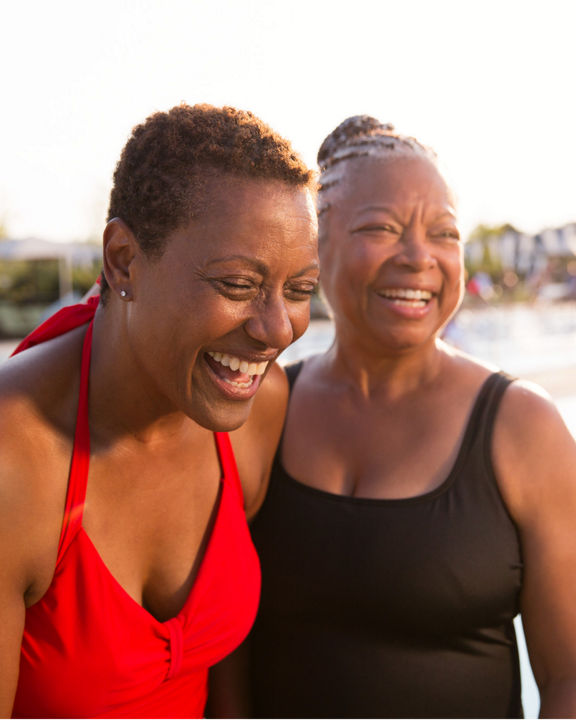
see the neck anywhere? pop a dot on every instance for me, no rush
(385, 373)
(125, 402)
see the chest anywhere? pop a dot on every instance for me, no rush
(149, 662)
(382, 450)
(441, 566)
(150, 520)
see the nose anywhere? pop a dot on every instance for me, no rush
(416, 252)
(270, 323)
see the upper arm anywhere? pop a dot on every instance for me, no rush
(16, 577)
(256, 441)
(535, 461)
(228, 686)
(31, 511)
(11, 629)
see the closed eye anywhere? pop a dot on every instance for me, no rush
(300, 291)
(235, 288)
(448, 234)
(379, 232)
(377, 228)
(236, 284)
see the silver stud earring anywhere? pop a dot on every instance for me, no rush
(123, 293)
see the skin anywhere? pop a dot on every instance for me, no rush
(236, 280)
(391, 225)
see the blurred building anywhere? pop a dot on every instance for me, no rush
(68, 255)
(546, 261)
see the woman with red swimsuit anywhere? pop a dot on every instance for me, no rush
(126, 566)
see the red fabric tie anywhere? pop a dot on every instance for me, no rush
(67, 318)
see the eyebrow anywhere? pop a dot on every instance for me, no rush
(376, 208)
(391, 211)
(257, 264)
(312, 266)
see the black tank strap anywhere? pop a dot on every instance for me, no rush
(488, 404)
(480, 424)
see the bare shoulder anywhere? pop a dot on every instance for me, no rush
(30, 516)
(534, 452)
(268, 411)
(528, 421)
(272, 397)
(256, 441)
(36, 400)
(27, 509)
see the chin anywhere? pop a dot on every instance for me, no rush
(223, 420)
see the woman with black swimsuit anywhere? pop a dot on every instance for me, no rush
(420, 499)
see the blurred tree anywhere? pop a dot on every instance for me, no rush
(37, 281)
(482, 231)
(483, 258)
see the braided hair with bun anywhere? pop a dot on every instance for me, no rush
(356, 137)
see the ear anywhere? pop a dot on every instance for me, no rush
(119, 250)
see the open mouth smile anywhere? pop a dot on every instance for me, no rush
(407, 297)
(236, 372)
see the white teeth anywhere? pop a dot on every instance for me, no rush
(234, 363)
(407, 293)
(238, 385)
(409, 303)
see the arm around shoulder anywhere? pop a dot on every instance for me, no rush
(535, 462)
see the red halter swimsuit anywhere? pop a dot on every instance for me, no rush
(90, 650)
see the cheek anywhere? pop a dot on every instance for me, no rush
(454, 264)
(355, 260)
(362, 266)
(299, 320)
(453, 269)
(222, 315)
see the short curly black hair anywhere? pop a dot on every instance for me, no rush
(157, 181)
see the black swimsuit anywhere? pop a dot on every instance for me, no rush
(391, 608)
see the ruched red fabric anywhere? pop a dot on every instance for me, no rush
(91, 651)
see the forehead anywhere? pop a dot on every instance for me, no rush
(234, 199)
(248, 217)
(395, 180)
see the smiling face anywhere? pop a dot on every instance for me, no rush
(390, 251)
(230, 292)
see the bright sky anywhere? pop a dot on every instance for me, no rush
(489, 84)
